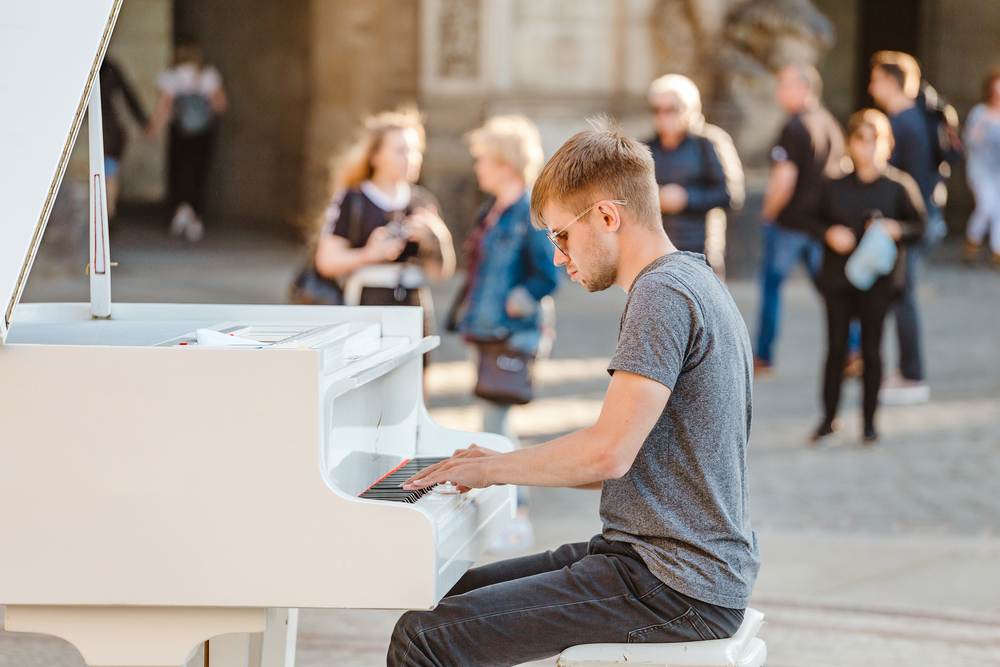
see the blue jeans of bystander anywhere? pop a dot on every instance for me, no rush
(782, 249)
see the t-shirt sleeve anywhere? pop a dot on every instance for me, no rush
(656, 332)
(333, 221)
(794, 145)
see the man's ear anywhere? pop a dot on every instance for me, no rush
(610, 216)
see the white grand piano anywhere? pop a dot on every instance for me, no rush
(158, 492)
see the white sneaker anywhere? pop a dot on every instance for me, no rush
(517, 536)
(182, 218)
(194, 230)
(897, 390)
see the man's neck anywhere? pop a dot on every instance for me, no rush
(638, 249)
(897, 104)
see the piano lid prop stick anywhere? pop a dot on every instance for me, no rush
(100, 263)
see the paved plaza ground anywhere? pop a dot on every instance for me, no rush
(871, 557)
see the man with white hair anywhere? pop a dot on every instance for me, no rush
(691, 177)
(808, 152)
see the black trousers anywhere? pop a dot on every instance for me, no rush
(531, 608)
(844, 302)
(190, 158)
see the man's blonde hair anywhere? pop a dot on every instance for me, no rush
(512, 139)
(602, 163)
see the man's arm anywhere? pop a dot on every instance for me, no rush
(784, 176)
(606, 450)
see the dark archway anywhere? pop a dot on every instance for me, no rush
(884, 25)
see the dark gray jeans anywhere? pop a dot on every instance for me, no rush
(534, 607)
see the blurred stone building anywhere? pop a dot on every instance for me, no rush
(301, 73)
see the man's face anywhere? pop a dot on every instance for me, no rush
(882, 87)
(591, 258)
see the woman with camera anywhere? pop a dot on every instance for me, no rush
(382, 236)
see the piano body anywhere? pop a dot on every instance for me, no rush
(159, 492)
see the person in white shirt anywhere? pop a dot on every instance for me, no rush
(192, 98)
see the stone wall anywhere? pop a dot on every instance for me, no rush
(555, 61)
(839, 65)
(363, 59)
(262, 48)
(302, 73)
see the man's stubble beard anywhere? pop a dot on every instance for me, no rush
(605, 273)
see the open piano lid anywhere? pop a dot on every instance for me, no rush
(50, 53)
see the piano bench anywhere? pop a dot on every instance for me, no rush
(743, 649)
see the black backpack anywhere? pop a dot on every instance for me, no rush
(942, 125)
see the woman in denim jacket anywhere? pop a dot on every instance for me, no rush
(509, 266)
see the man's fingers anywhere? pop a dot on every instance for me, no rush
(422, 482)
(429, 470)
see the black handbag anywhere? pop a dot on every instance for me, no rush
(309, 288)
(505, 374)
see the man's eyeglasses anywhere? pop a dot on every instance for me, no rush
(554, 236)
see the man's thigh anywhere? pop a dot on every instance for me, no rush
(601, 598)
(518, 568)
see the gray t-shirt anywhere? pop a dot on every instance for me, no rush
(685, 503)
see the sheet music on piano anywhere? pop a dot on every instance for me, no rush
(126, 438)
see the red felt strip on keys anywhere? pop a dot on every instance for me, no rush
(383, 477)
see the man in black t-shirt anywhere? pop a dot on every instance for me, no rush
(808, 152)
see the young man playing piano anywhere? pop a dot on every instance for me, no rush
(677, 559)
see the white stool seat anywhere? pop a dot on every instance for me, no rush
(743, 649)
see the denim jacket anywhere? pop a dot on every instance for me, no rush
(514, 258)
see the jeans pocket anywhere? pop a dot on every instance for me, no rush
(688, 627)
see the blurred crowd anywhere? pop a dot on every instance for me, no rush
(859, 210)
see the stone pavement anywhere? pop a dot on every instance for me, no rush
(884, 557)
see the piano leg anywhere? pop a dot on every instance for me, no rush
(275, 647)
(230, 650)
(278, 641)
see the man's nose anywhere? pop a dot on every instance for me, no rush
(559, 257)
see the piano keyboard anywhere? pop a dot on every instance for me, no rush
(387, 488)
